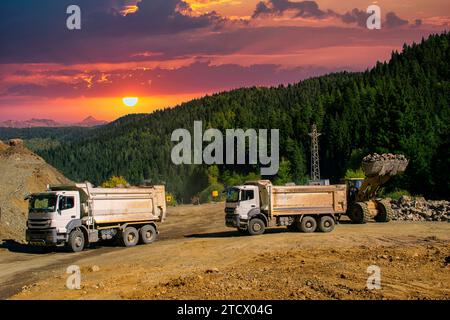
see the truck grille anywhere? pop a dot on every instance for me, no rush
(39, 223)
(229, 210)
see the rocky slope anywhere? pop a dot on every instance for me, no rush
(21, 172)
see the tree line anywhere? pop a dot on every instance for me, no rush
(401, 106)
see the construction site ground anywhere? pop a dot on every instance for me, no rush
(197, 257)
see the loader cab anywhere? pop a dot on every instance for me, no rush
(353, 186)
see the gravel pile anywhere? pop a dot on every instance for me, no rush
(419, 209)
(383, 157)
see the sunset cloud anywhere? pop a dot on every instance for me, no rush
(176, 48)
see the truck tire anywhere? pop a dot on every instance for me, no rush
(360, 213)
(256, 227)
(147, 234)
(308, 224)
(76, 240)
(130, 237)
(326, 224)
(385, 212)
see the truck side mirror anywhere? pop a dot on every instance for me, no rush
(60, 205)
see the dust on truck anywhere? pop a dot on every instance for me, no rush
(78, 215)
(254, 206)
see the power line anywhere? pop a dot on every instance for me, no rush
(315, 165)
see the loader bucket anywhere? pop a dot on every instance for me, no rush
(384, 165)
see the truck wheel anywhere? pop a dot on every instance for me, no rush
(385, 212)
(256, 227)
(308, 224)
(147, 234)
(326, 224)
(130, 237)
(76, 240)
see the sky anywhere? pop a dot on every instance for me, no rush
(169, 51)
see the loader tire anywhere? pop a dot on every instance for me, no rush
(76, 241)
(147, 234)
(360, 213)
(385, 212)
(326, 224)
(256, 227)
(130, 237)
(308, 224)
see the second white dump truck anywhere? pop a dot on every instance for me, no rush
(257, 205)
(79, 214)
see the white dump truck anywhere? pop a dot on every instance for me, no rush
(79, 214)
(256, 205)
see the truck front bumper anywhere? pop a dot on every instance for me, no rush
(234, 221)
(42, 237)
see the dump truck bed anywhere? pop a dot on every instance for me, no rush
(116, 205)
(293, 200)
(119, 205)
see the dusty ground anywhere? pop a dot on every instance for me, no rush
(196, 257)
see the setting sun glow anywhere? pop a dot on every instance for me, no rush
(130, 101)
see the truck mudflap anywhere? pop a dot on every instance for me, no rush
(42, 237)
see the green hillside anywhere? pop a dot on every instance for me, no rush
(401, 106)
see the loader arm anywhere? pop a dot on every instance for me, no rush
(370, 187)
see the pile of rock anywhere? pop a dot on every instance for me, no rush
(384, 164)
(419, 209)
(383, 157)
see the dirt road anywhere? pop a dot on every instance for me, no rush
(196, 257)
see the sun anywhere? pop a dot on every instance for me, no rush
(130, 101)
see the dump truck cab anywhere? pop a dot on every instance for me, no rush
(50, 215)
(241, 202)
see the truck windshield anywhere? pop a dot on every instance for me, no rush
(43, 203)
(233, 195)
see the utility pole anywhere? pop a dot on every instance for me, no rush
(315, 166)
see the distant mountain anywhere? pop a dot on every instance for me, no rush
(90, 122)
(32, 123)
(48, 123)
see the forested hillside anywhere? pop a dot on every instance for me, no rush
(401, 106)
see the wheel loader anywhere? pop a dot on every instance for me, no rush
(363, 204)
